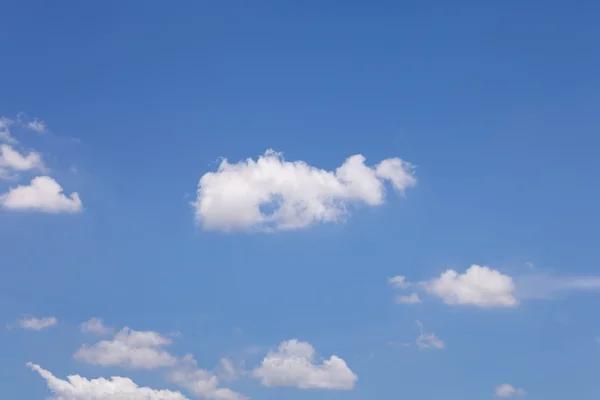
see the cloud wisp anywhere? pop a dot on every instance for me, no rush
(428, 340)
(540, 286)
(37, 324)
(96, 326)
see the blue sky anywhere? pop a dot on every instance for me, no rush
(424, 228)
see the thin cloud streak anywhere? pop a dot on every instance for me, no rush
(546, 287)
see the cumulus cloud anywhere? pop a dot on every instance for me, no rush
(485, 287)
(12, 159)
(479, 286)
(199, 382)
(274, 194)
(412, 298)
(43, 194)
(37, 324)
(95, 325)
(507, 390)
(428, 340)
(129, 348)
(293, 364)
(115, 388)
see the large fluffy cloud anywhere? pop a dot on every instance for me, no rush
(479, 286)
(42, 194)
(115, 388)
(199, 382)
(272, 193)
(293, 364)
(129, 348)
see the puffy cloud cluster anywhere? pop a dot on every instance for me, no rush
(293, 364)
(200, 382)
(145, 350)
(129, 348)
(43, 193)
(274, 194)
(115, 388)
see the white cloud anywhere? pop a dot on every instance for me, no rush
(95, 325)
(398, 281)
(129, 348)
(530, 265)
(539, 286)
(12, 159)
(274, 194)
(5, 135)
(42, 194)
(293, 364)
(6, 176)
(412, 298)
(199, 382)
(507, 390)
(37, 324)
(227, 371)
(479, 286)
(428, 340)
(115, 388)
(37, 125)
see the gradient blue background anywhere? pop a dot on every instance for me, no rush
(496, 102)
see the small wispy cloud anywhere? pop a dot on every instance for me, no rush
(530, 265)
(398, 281)
(37, 324)
(508, 390)
(37, 125)
(541, 287)
(428, 340)
(412, 298)
(5, 134)
(95, 325)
